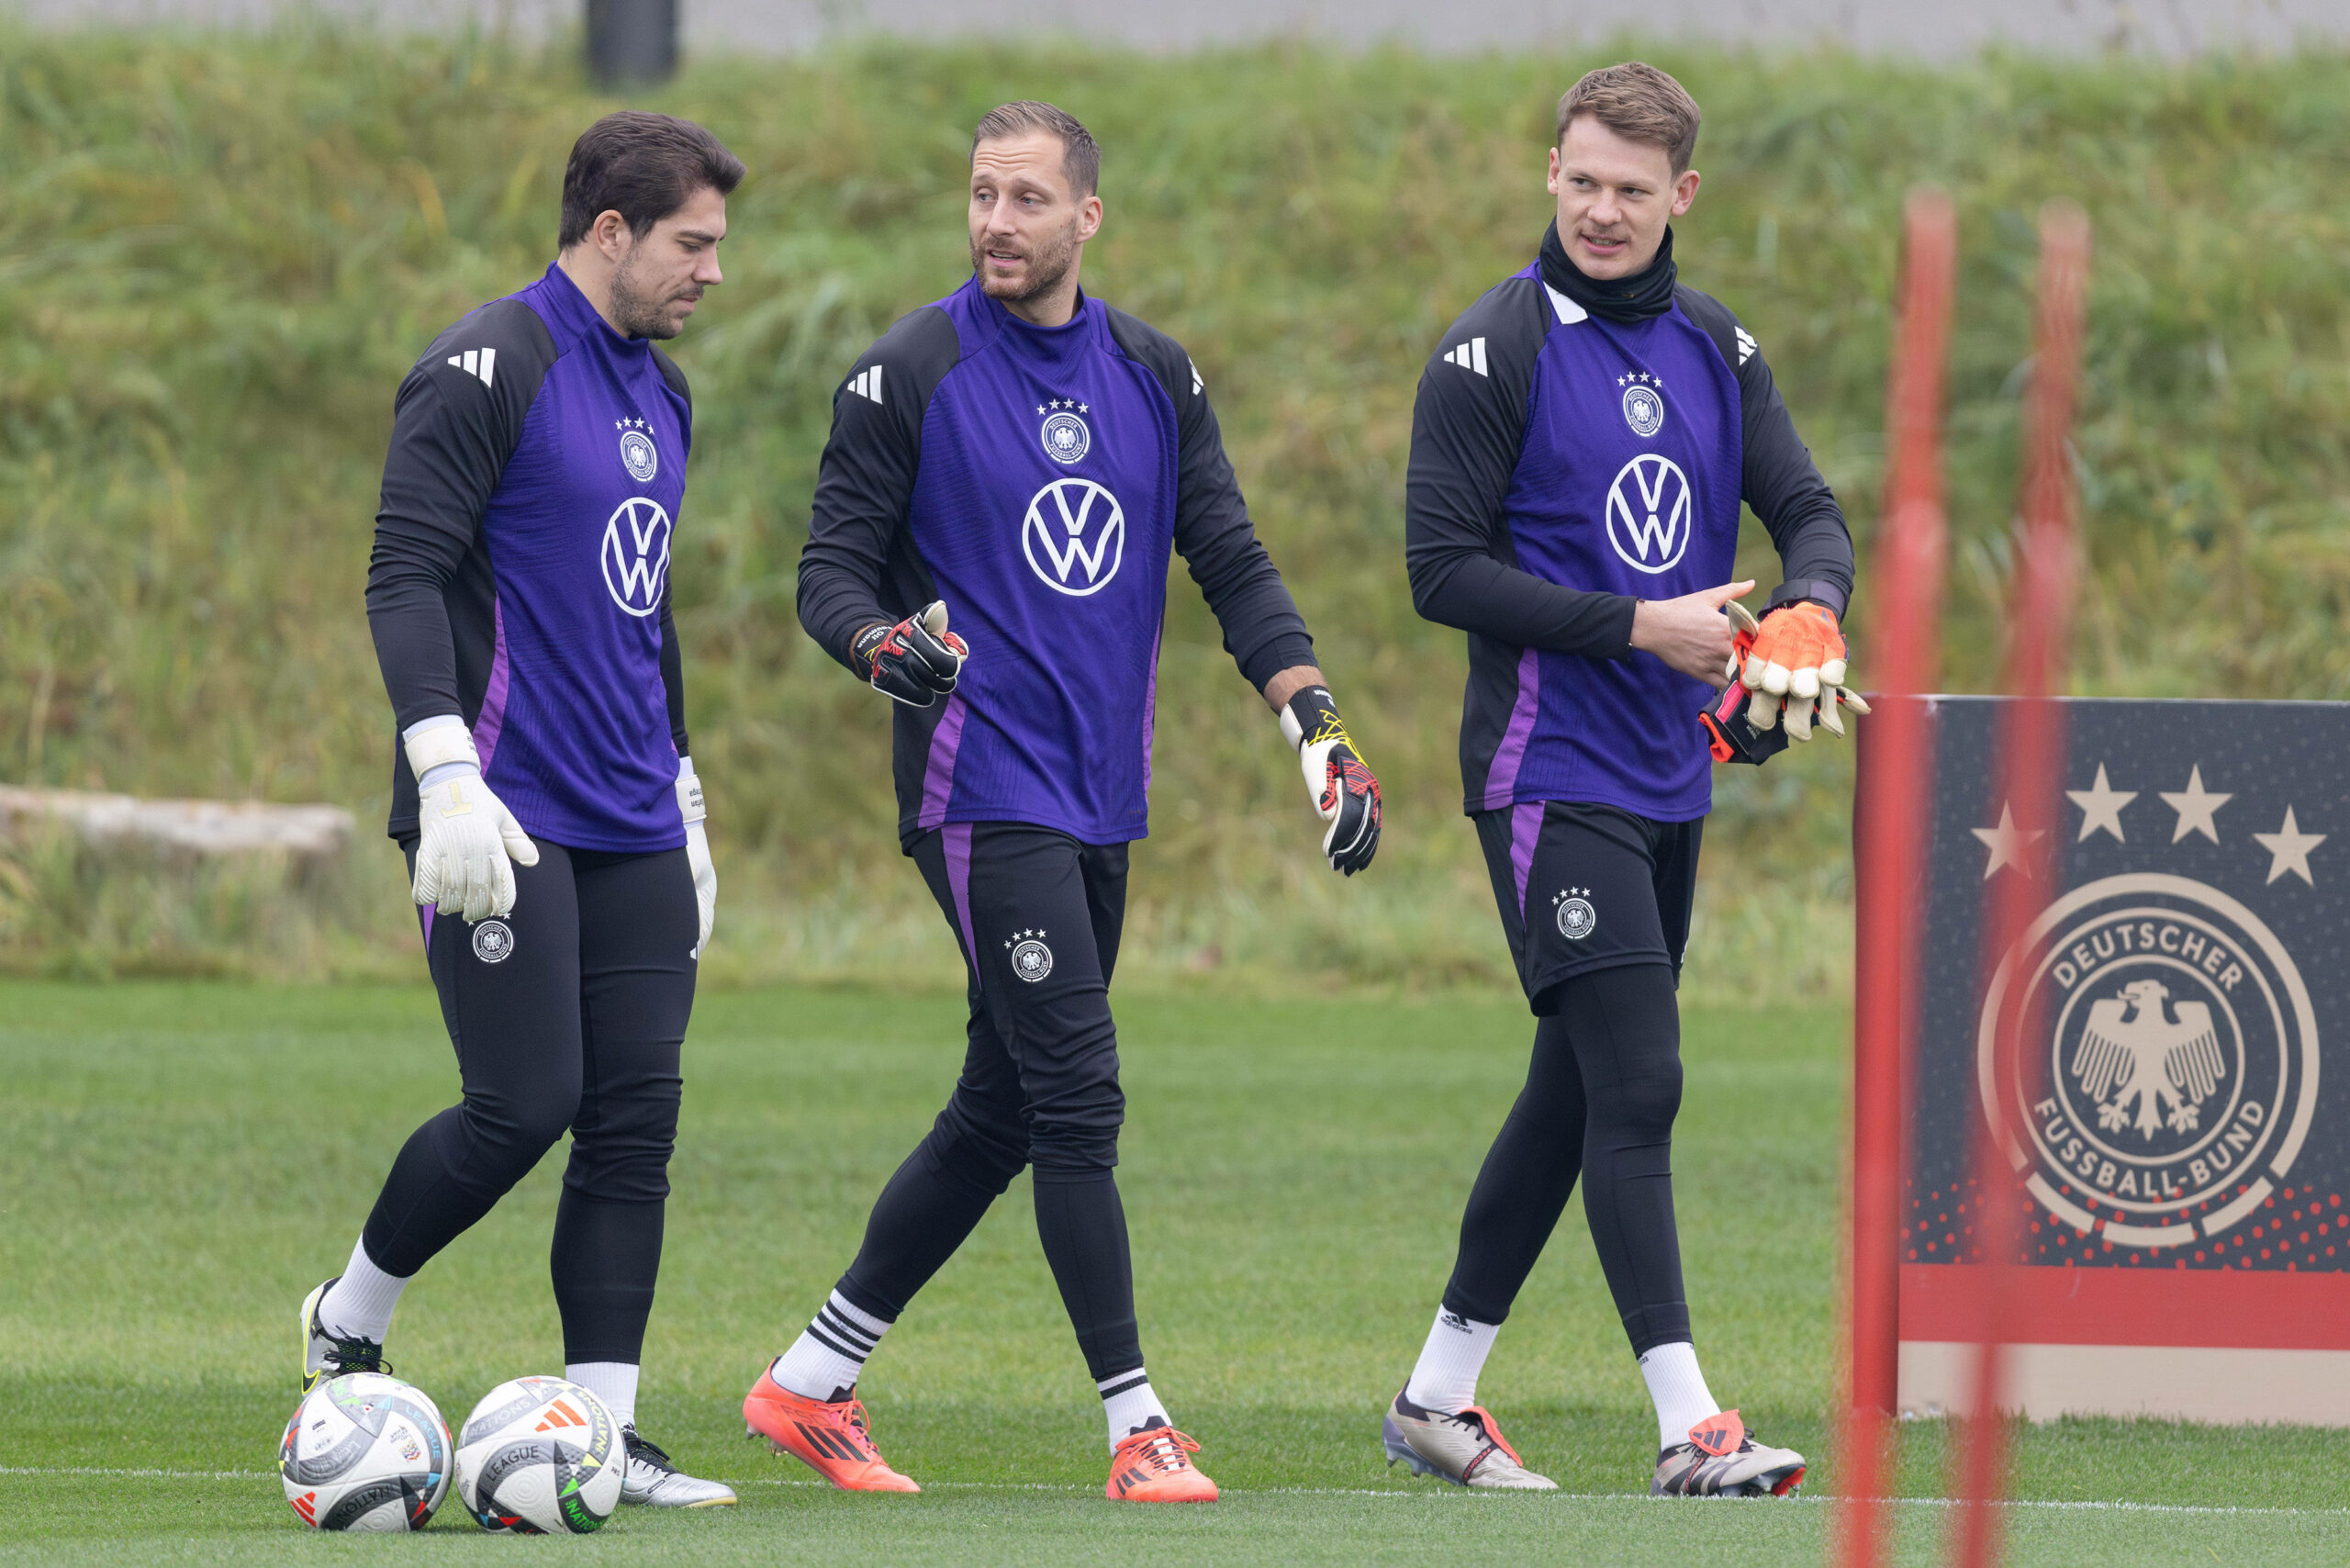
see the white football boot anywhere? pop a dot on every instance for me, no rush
(1721, 1458)
(325, 1355)
(652, 1481)
(1467, 1449)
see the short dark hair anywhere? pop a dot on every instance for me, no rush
(642, 166)
(1638, 103)
(1080, 159)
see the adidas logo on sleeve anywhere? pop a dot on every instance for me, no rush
(478, 362)
(1746, 345)
(1469, 355)
(867, 383)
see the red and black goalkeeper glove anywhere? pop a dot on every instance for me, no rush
(917, 661)
(1345, 794)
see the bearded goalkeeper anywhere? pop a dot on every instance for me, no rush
(1580, 445)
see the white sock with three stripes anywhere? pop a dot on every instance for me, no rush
(824, 1362)
(1129, 1404)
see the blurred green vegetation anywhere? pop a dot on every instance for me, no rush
(219, 252)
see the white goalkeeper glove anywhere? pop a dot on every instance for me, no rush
(468, 840)
(689, 806)
(1345, 794)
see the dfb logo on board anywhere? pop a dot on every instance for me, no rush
(1649, 513)
(2172, 1076)
(1074, 536)
(636, 554)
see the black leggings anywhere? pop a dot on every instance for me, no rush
(1039, 917)
(567, 1015)
(1599, 1100)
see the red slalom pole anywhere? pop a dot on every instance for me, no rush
(1891, 808)
(2031, 773)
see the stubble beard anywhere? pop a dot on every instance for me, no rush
(638, 316)
(1048, 264)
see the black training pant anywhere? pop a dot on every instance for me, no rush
(1595, 902)
(568, 1015)
(1037, 915)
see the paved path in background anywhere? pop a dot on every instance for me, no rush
(1936, 29)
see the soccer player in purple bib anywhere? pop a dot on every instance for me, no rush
(541, 787)
(1009, 470)
(1582, 442)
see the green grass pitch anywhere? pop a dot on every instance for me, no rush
(178, 1164)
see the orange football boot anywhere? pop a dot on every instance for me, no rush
(1154, 1466)
(833, 1438)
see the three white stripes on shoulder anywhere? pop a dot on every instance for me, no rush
(1469, 355)
(478, 362)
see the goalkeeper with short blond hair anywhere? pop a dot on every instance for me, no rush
(1583, 440)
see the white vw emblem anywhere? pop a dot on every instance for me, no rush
(636, 554)
(1647, 513)
(1053, 536)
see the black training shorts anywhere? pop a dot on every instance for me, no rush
(1583, 887)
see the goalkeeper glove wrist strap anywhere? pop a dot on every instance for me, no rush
(1312, 718)
(689, 801)
(436, 747)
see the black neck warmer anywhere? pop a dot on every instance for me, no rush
(1645, 293)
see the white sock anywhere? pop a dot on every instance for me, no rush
(360, 1304)
(1445, 1379)
(1679, 1390)
(614, 1383)
(1129, 1404)
(824, 1362)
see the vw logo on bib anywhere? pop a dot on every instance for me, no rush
(1074, 536)
(636, 554)
(1649, 513)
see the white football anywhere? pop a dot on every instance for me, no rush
(540, 1456)
(365, 1452)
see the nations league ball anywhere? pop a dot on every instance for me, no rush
(365, 1452)
(542, 1457)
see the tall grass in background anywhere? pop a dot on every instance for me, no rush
(218, 254)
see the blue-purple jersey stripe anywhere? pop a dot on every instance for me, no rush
(1501, 781)
(491, 720)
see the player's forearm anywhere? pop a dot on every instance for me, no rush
(673, 676)
(1468, 589)
(1815, 554)
(1288, 683)
(1791, 496)
(409, 620)
(838, 598)
(1262, 629)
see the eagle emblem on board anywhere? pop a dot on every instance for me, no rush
(2140, 1046)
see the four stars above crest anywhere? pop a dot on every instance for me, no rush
(2197, 810)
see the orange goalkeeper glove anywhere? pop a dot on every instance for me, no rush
(1796, 665)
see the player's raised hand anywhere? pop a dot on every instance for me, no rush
(1797, 666)
(1345, 794)
(468, 843)
(1691, 634)
(917, 661)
